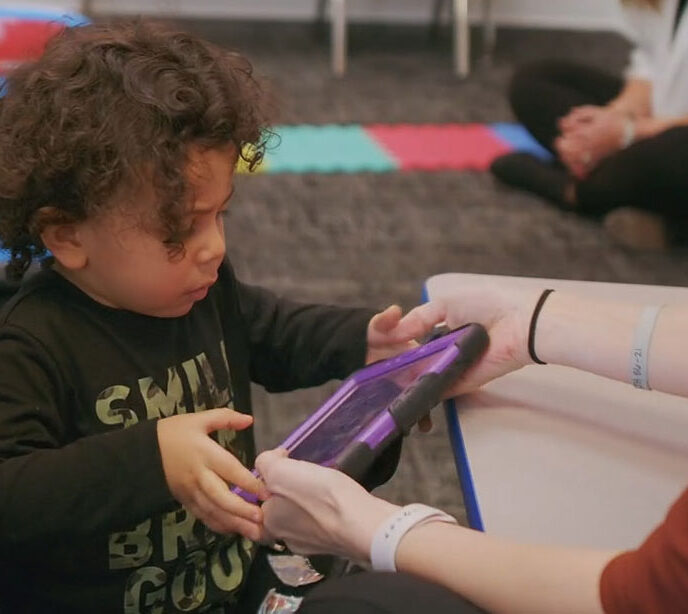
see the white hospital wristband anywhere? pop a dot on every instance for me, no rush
(386, 540)
(641, 346)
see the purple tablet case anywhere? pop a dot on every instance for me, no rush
(382, 401)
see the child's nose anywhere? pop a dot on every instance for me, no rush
(213, 247)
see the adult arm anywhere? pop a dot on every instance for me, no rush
(315, 509)
(597, 336)
(591, 334)
(502, 576)
(635, 99)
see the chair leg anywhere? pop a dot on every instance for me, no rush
(319, 29)
(320, 11)
(339, 36)
(437, 16)
(462, 41)
(489, 28)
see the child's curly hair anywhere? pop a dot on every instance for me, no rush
(107, 107)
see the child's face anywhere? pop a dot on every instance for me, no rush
(129, 266)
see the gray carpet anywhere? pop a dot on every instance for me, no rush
(372, 239)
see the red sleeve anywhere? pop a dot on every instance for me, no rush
(653, 578)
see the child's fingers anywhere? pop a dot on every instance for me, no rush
(254, 532)
(421, 320)
(386, 320)
(216, 491)
(223, 418)
(230, 469)
(221, 521)
(415, 324)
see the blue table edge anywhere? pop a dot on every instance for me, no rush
(463, 466)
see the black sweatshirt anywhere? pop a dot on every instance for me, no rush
(87, 522)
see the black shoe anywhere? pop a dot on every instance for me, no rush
(525, 171)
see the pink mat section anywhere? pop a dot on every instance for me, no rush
(436, 147)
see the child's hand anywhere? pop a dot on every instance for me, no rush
(198, 471)
(389, 334)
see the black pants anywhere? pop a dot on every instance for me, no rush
(383, 593)
(650, 174)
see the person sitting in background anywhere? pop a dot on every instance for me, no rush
(619, 143)
(316, 509)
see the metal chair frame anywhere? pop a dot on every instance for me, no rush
(461, 51)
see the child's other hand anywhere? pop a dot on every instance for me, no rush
(390, 334)
(199, 471)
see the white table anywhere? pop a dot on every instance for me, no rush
(553, 455)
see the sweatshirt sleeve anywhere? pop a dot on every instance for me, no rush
(51, 488)
(295, 345)
(653, 578)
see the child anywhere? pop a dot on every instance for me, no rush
(117, 151)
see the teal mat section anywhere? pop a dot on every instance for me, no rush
(326, 149)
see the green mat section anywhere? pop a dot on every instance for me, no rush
(325, 149)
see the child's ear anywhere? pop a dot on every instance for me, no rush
(61, 236)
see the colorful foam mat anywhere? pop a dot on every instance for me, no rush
(383, 148)
(380, 148)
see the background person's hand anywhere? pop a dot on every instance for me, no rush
(578, 116)
(316, 510)
(199, 471)
(574, 155)
(504, 312)
(588, 137)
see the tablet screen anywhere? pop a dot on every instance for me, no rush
(323, 444)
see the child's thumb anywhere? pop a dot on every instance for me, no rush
(223, 418)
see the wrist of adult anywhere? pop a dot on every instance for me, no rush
(627, 109)
(528, 324)
(361, 521)
(650, 126)
(391, 531)
(585, 332)
(546, 326)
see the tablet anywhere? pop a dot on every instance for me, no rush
(382, 401)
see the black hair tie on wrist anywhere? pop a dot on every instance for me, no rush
(533, 324)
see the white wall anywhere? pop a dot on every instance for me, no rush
(582, 14)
